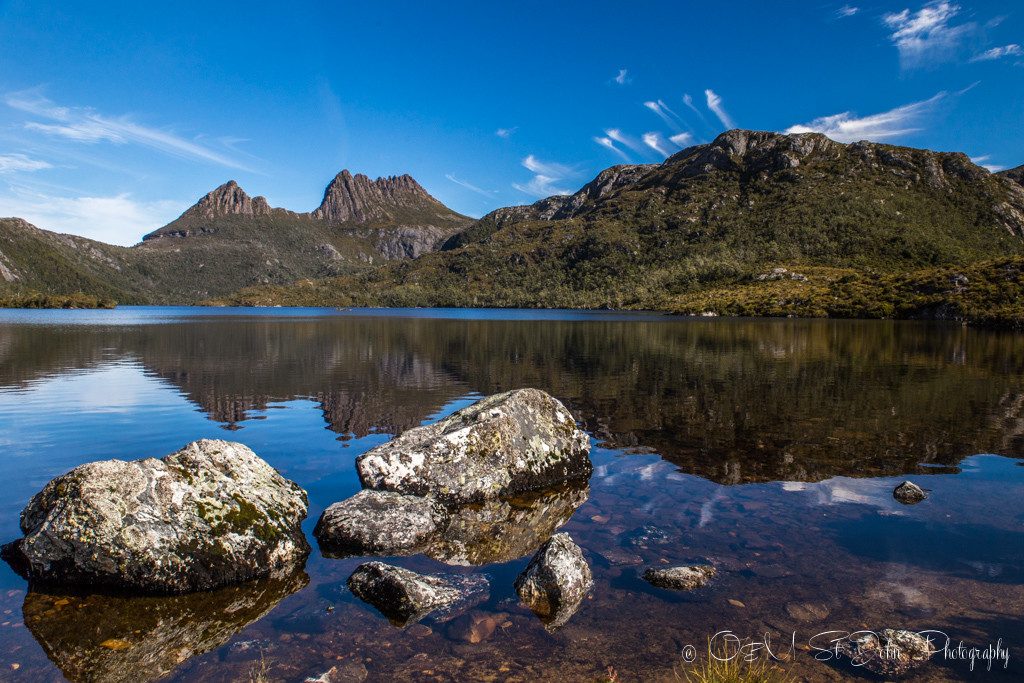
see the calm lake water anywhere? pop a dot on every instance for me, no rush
(768, 448)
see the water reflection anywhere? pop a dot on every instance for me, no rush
(731, 401)
(113, 639)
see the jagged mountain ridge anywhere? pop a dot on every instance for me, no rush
(229, 240)
(721, 212)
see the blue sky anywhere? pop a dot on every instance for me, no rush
(117, 116)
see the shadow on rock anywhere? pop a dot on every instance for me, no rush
(111, 639)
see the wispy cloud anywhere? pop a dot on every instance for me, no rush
(627, 140)
(547, 176)
(682, 140)
(474, 188)
(114, 220)
(623, 77)
(83, 124)
(506, 132)
(667, 115)
(992, 168)
(688, 101)
(610, 144)
(655, 142)
(847, 127)
(846, 11)
(927, 36)
(998, 53)
(715, 105)
(12, 163)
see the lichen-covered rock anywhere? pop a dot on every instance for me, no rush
(889, 652)
(405, 597)
(909, 493)
(377, 522)
(505, 529)
(506, 443)
(555, 582)
(210, 515)
(679, 578)
(121, 639)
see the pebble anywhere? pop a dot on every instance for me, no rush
(807, 611)
(736, 603)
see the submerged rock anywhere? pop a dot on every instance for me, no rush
(555, 582)
(210, 515)
(507, 443)
(405, 597)
(505, 529)
(117, 639)
(679, 578)
(909, 493)
(890, 652)
(377, 522)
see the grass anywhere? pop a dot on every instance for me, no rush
(259, 673)
(724, 666)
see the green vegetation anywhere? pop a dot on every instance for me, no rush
(37, 300)
(724, 666)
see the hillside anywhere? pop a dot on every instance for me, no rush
(712, 216)
(229, 240)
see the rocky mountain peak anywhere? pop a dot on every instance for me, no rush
(229, 199)
(1014, 174)
(357, 199)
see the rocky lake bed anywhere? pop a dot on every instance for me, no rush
(793, 534)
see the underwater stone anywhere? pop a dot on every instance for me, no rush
(555, 582)
(909, 493)
(507, 443)
(210, 515)
(405, 597)
(679, 578)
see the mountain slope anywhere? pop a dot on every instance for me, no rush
(710, 216)
(229, 240)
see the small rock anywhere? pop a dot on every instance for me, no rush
(909, 493)
(419, 631)
(507, 443)
(115, 644)
(890, 652)
(555, 582)
(679, 578)
(350, 671)
(377, 522)
(807, 611)
(648, 535)
(405, 597)
(474, 627)
(736, 603)
(619, 556)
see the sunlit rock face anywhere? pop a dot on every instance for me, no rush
(117, 639)
(378, 522)
(507, 443)
(210, 515)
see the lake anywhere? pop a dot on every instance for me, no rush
(768, 448)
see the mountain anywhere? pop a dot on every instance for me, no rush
(713, 216)
(229, 240)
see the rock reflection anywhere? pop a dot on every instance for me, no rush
(109, 639)
(506, 529)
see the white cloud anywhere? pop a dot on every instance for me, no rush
(506, 132)
(846, 11)
(991, 168)
(999, 53)
(667, 115)
(622, 78)
(926, 36)
(474, 188)
(114, 220)
(82, 124)
(846, 127)
(610, 144)
(654, 141)
(715, 105)
(682, 140)
(623, 139)
(11, 163)
(547, 175)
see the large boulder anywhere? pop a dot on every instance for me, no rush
(890, 652)
(378, 522)
(405, 597)
(506, 443)
(555, 582)
(210, 515)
